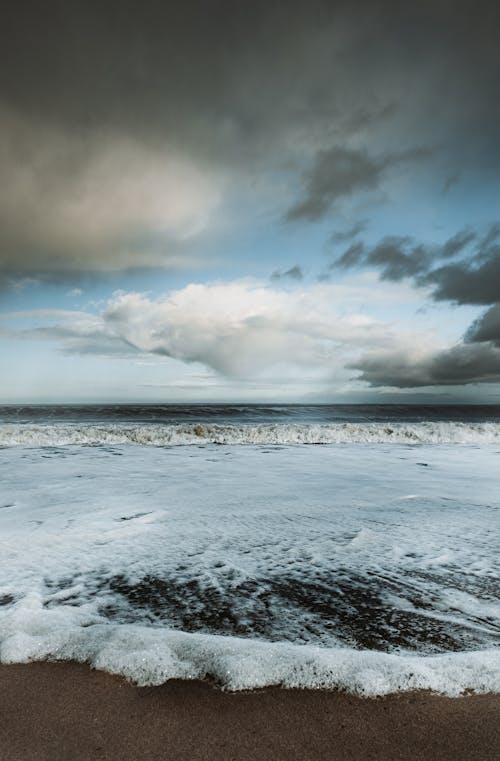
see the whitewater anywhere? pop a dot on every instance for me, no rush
(63, 434)
(333, 548)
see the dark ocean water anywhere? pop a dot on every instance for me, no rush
(248, 413)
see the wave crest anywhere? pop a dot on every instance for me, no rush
(88, 434)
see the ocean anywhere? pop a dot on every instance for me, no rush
(353, 547)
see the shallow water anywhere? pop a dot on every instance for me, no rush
(371, 566)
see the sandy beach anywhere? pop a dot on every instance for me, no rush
(62, 711)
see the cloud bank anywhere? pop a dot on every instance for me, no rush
(127, 127)
(462, 364)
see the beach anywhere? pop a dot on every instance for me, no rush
(249, 583)
(250, 391)
(62, 711)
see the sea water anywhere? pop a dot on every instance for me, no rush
(341, 547)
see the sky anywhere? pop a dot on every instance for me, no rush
(212, 201)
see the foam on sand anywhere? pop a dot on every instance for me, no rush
(152, 656)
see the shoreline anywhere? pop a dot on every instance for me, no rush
(56, 711)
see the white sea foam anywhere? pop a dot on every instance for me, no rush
(62, 434)
(255, 565)
(152, 656)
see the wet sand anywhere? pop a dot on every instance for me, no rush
(68, 712)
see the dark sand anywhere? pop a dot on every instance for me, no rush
(67, 712)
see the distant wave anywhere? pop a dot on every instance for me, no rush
(64, 434)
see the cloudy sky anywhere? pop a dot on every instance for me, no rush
(233, 201)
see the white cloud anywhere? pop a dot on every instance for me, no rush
(240, 329)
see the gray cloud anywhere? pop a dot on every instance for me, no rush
(473, 282)
(457, 242)
(339, 172)
(486, 327)
(352, 256)
(462, 364)
(294, 273)
(91, 343)
(202, 94)
(473, 279)
(397, 257)
(71, 202)
(342, 236)
(335, 173)
(490, 238)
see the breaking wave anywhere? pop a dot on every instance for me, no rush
(182, 435)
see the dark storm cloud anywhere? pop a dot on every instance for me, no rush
(397, 257)
(472, 279)
(339, 172)
(200, 91)
(223, 81)
(335, 173)
(396, 262)
(486, 327)
(468, 282)
(462, 364)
